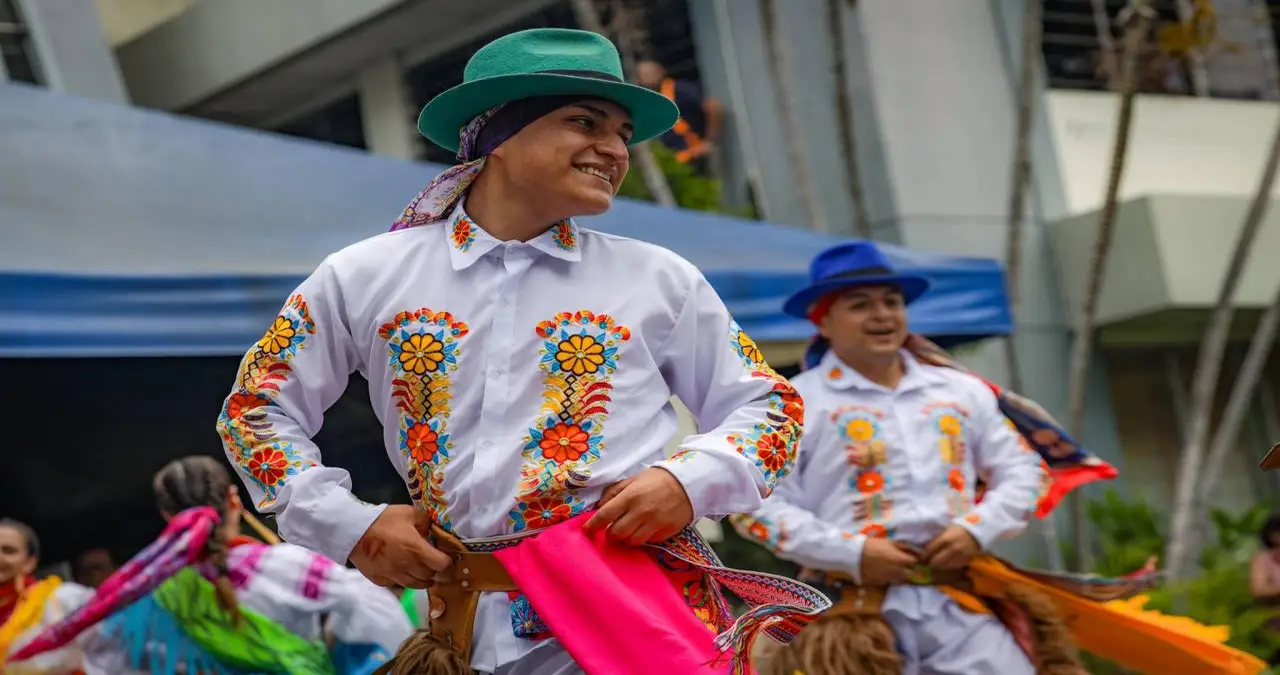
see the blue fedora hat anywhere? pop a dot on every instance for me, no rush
(857, 263)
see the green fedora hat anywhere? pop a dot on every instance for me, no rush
(543, 62)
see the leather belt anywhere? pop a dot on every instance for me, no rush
(455, 597)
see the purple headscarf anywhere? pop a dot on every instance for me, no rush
(476, 140)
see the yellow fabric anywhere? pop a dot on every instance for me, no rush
(27, 614)
(1122, 631)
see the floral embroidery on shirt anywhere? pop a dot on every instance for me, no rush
(525, 623)
(763, 530)
(422, 348)
(252, 444)
(772, 445)
(950, 420)
(463, 234)
(860, 430)
(565, 235)
(579, 355)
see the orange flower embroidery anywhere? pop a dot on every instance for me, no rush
(464, 234)
(972, 519)
(422, 443)
(835, 373)
(240, 403)
(875, 530)
(269, 466)
(772, 451)
(793, 407)
(955, 478)
(546, 511)
(564, 236)
(870, 482)
(564, 443)
(758, 530)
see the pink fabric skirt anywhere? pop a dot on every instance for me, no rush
(611, 605)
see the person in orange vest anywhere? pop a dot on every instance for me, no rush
(694, 136)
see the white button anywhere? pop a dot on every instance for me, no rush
(487, 444)
(495, 373)
(506, 302)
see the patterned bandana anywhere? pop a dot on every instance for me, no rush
(476, 140)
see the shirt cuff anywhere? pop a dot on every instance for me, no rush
(856, 543)
(982, 532)
(332, 523)
(716, 485)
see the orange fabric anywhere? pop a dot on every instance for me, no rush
(1122, 631)
(692, 141)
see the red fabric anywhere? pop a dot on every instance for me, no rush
(9, 597)
(823, 305)
(610, 605)
(241, 540)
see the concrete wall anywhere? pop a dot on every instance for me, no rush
(71, 53)
(1169, 252)
(1178, 145)
(934, 97)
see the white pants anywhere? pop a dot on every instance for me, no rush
(548, 658)
(938, 637)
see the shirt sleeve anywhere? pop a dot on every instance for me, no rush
(1013, 473)
(788, 527)
(363, 613)
(286, 382)
(749, 417)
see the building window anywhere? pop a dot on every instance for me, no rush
(339, 122)
(16, 49)
(1238, 50)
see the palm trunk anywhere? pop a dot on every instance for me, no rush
(1182, 532)
(585, 12)
(1246, 383)
(1195, 58)
(1106, 45)
(1032, 28)
(844, 116)
(778, 56)
(1135, 32)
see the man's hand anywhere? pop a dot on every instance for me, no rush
(885, 562)
(954, 549)
(394, 550)
(649, 507)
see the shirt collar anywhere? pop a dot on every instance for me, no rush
(840, 376)
(468, 242)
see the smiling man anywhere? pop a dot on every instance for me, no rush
(522, 366)
(882, 504)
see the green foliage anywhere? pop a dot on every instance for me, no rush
(1130, 532)
(692, 191)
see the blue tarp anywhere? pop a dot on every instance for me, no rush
(132, 232)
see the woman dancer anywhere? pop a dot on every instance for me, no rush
(28, 605)
(203, 599)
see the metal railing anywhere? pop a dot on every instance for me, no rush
(1219, 48)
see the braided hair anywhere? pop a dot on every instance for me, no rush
(201, 481)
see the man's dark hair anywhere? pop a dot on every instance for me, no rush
(1269, 530)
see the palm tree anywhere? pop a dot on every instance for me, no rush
(1032, 28)
(844, 116)
(777, 58)
(1138, 16)
(588, 17)
(1182, 532)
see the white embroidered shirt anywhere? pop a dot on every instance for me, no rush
(513, 380)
